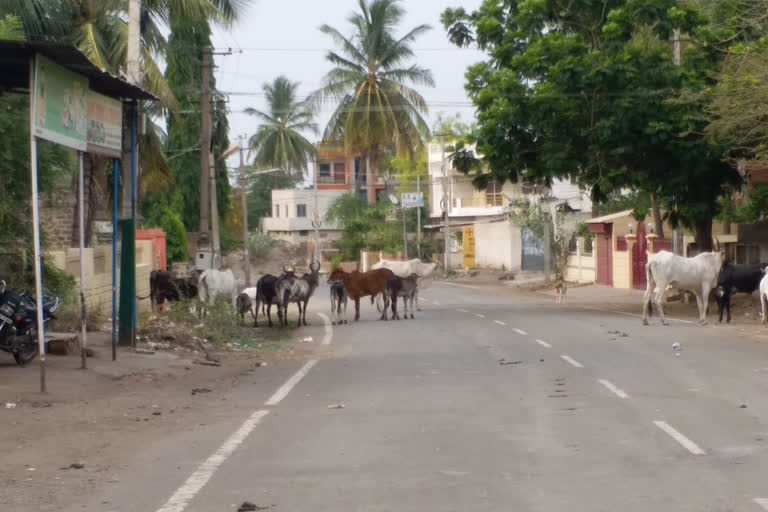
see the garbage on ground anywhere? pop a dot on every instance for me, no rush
(308, 339)
(676, 348)
(743, 406)
(75, 465)
(336, 406)
(198, 391)
(10, 405)
(503, 362)
(247, 506)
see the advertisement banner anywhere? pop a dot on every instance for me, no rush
(468, 238)
(105, 125)
(60, 112)
(412, 199)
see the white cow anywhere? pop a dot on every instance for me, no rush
(763, 293)
(405, 269)
(213, 283)
(697, 275)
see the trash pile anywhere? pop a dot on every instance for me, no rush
(161, 333)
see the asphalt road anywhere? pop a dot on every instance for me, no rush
(580, 417)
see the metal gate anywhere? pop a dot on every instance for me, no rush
(533, 251)
(639, 258)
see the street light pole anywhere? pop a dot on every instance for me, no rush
(446, 207)
(316, 217)
(244, 205)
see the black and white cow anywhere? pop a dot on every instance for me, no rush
(736, 279)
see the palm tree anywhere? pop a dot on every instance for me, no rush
(278, 142)
(376, 108)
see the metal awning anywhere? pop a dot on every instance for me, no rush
(14, 69)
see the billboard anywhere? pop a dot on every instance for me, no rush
(412, 199)
(468, 238)
(105, 125)
(60, 112)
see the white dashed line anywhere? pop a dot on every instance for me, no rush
(543, 343)
(616, 391)
(636, 315)
(680, 438)
(478, 315)
(499, 322)
(291, 383)
(763, 502)
(435, 303)
(572, 361)
(462, 311)
(461, 285)
(520, 331)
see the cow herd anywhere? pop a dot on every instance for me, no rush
(386, 281)
(702, 275)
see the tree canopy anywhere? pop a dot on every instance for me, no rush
(593, 93)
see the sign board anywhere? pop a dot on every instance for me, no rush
(468, 238)
(61, 105)
(105, 125)
(412, 199)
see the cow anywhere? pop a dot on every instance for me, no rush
(405, 287)
(361, 284)
(298, 290)
(697, 275)
(163, 286)
(213, 283)
(408, 267)
(266, 293)
(736, 279)
(244, 304)
(339, 299)
(763, 293)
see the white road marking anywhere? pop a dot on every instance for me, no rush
(291, 383)
(187, 492)
(435, 303)
(520, 331)
(636, 315)
(461, 285)
(572, 361)
(680, 438)
(478, 315)
(462, 311)
(499, 322)
(616, 391)
(328, 336)
(543, 343)
(763, 502)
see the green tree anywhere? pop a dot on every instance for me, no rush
(364, 226)
(279, 142)
(593, 93)
(376, 106)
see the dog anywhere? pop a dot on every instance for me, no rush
(560, 290)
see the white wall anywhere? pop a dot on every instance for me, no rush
(289, 198)
(498, 244)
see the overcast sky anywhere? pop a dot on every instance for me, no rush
(283, 37)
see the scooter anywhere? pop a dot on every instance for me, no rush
(18, 323)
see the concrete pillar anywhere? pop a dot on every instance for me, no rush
(631, 241)
(651, 238)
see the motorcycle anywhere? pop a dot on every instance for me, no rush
(18, 323)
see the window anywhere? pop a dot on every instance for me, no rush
(325, 170)
(493, 196)
(277, 210)
(301, 210)
(286, 211)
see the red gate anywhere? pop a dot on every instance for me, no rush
(605, 257)
(639, 258)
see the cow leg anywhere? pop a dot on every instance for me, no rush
(647, 297)
(762, 305)
(728, 308)
(393, 300)
(304, 315)
(413, 297)
(256, 313)
(418, 307)
(659, 301)
(269, 312)
(357, 309)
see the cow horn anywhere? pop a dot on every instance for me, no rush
(716, 243)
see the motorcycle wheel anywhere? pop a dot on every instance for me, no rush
(27, 353)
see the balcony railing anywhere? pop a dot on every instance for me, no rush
(331, 180)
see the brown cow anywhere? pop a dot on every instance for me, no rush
(360, 284)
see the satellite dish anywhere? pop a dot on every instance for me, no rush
(393, 199)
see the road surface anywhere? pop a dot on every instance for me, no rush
(488, 401)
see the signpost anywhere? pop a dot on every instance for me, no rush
(412, 200)
(468, 238)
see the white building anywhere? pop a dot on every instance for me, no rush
(498, 243)
(293, 212)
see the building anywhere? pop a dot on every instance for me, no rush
(338, 170)
(293, 212)
(498, 242)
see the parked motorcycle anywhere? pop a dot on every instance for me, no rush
(18, 323)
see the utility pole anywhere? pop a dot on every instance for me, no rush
(418, 219)
(214, 215)
(244, 204)
(405, 233)
(205, 140)
(446, 208)
(677, 238)
(316, 215)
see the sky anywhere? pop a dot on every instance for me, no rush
(282, 37)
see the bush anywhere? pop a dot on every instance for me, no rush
(261, 243)
(335, 261)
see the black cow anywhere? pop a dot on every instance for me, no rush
(736, 279)
(405, 287)
(163, 286)
(266, 293)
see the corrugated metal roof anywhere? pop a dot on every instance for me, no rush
(14, 69)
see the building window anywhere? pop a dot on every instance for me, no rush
(301, 210)
(286, 211)
(493, 196)
(325, 170)
(277, 210)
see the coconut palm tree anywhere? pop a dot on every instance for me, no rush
(279, 142)
(376, 106)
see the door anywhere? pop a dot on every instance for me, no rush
(605, 257)
(533, 251)
(639, 258)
